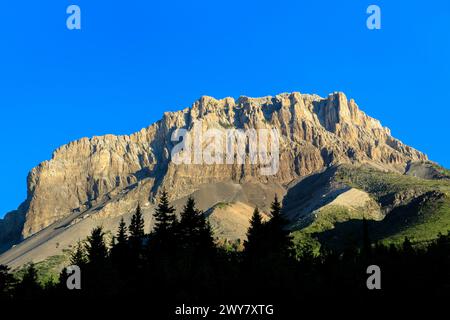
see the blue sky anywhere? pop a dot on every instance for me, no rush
(134, 60)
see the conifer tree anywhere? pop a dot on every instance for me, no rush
(119, 252)
(189, 223)
(29, 287)
(136, 228)
(6, 282)
(96, 250)
(194, 230)
(276, 208)
(122, 236)
(206, 238)
(164, 216)
(254, 234)
(78, 257)
(278, 238)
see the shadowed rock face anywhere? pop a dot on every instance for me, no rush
(11, 227)
(113, 173)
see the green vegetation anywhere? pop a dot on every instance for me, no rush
(180, 263)
(47, 271)
(419, 208)
(380, 184)
(441, 170)
(222, 205)
(328, 216)
(433, 218)
(304, 244)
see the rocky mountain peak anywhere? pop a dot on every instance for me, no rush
(113, 172)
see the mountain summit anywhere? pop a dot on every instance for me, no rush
(102, 178)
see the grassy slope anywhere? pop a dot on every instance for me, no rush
(420, 220)
(47, 270)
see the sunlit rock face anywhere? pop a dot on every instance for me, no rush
(114, 173)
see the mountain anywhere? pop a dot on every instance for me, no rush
(332, 204)
(96, 181)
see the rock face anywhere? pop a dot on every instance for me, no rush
(112, 173)
(11, 228)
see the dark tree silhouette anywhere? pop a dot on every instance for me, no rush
(199, 270)
(278, 237)
(189, 226)
(96, 250)
(7, 283)
(122, 236)
(206, 237)
(163, 237)
(164, 216)
(366, 247)
(78, 256)
(253, 244)
(194, 230)
(136, 228)
(120, 250)
(29, 287)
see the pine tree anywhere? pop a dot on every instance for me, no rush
(136, 238)
(278, 238)
(122, 236)
(96, 250)
(78, 257)
(194, 230)
(164, 216)
(206, 238)
(189, 223)
(254, 234)
(119, 251)
(276, 208)
(136, 228)
(6, 282)
(29, 287)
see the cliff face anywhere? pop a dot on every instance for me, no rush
(113, 173)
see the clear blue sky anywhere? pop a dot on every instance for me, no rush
(133, 60)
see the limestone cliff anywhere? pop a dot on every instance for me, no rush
(113, 173)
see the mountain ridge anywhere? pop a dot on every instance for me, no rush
(114, 173)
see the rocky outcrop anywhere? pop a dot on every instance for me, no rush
(112, 173)
(11, 227)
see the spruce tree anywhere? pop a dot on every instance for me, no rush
(119, 250)
(6, 282)
(136, 228)
(164, 216)
(96, 250)
(194, 230)
(122, 236)
(189, 223)
(206, 238)
(254, 234)
(136, 238)
(276, 208)
(278, 238)
(29, 287)
(78, 256)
